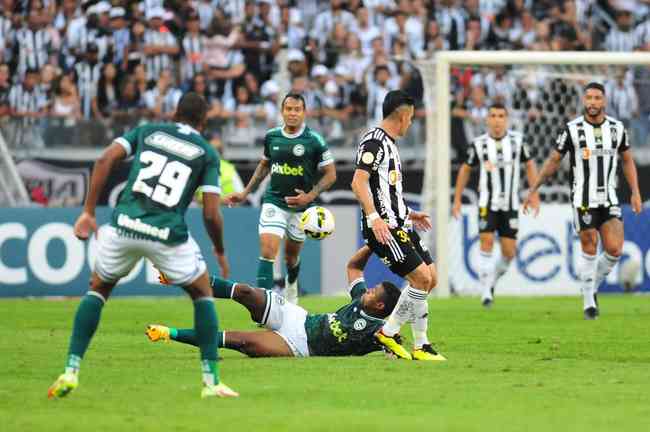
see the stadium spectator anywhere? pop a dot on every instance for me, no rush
(353, 59)
(159, 45)
(269, 92)
(121, 37)
(621, 37)
(34, 44)
(199, 85)
(46, 81)
(245, 113)
(162, 99)
(193, 45)
(325, 22)
(66, 102)
(88, 73)
(377, 90)
(5, 87)
(219, 45)
(641, 124)
(257, 44)
(366, 31)
(107, 94)
(622, 101)
(296, 63)
(452, 24)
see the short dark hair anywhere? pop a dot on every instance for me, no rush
(395, 99)
(191, 109)
(498, 105)
(390, 297)
(296, 96)
(596, 86)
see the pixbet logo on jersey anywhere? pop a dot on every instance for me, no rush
(286, 169)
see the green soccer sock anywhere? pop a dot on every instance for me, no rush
(205, 326)
(222, 288)
(188, 336)
(86, 321)
(265, 273)
(292, 272)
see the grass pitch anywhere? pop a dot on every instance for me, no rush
(525, 365)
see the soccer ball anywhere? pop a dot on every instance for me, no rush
(317, 222)
(629, 274)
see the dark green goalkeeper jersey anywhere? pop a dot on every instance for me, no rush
(347, 332)
(170, 161)
(294, 161)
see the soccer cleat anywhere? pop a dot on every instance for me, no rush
(63, 385)
(591, 313)
(156, 332)
(427, 353)
(291, 291)
(392, 345)
(220, 390)
(487, 302)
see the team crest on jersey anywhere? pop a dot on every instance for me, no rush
(386, 261)
(394, 177)
(586, 153)
(299, 150)
(615, 211)
(483, 211)
(514, 223)
(360, 324)
(586, 218)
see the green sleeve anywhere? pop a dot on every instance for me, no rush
(130, 140)
(267, 150)
(358, 288)
(210, 182)
(323, 153)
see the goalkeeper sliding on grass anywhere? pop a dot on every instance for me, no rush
(291, 330)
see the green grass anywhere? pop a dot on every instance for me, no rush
(525, 365)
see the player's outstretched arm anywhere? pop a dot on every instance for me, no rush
(213, 221)
(461, 183)
(357, 263)
(86, 222)
(261, 171)
(531, 175)
(629, 171)
(549, 168)
(360, 188)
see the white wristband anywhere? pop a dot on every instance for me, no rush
(372, 217)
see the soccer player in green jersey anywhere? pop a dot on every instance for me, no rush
(294, 332)
(293, 155)
(170, 161)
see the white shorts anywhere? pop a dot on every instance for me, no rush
(117, 254)
(287, 320)
(277, 221)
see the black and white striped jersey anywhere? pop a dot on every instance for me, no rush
(378, 155)
(594, 153)
(34, 48)
(87, 78)
(192, 58)
(23, 100)
(500, 173)
(156, 63)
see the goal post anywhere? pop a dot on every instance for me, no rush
(436, 76)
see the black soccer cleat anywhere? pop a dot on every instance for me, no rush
(591, 313)
(487, 303)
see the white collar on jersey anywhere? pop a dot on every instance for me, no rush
(185, 125)
(296, 135)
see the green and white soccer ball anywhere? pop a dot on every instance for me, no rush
(317, 222)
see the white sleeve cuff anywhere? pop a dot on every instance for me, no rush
(325, 163)
(354, 282)
(124, 143)
(211, 189)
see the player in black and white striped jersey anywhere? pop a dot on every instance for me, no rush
(160, 45)
(499, 154)
(87, 74)
(34, 45)
(377, 184)
(192, 49)
(594, 142)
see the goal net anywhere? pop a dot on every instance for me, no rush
(542, 91)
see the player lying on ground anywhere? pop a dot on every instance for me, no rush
(292, 331)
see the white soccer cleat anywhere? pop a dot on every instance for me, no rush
(291, 290)
(220, 390)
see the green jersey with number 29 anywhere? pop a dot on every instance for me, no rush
(170, 161)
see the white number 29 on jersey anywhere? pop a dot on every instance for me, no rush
(171, 181)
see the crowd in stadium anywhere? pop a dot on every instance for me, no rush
(106, 63)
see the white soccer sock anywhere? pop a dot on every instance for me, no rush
(486, 273)
(605, 264)
(587, 275)
(502, 268)
(420, 323)
(409, 301)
